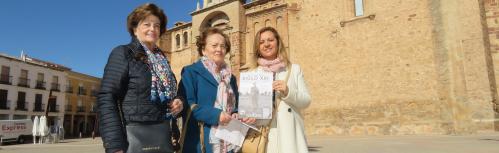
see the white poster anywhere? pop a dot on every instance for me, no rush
(255, 95)
(234, 132)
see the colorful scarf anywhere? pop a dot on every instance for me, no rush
(275, 65)
(163, 82)
(225, 101)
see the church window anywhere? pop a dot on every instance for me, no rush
(185, 39)
(177, 40)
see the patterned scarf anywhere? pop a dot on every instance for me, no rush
(163, 83)
(275, 65)
(225, 101)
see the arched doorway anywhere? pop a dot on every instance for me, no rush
(216, 19)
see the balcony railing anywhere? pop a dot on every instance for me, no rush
(69, 89)
(80, 109)
(21, 105)
(23, 82)
(39, 107)
(82, 91)
(5, 105)
(5, 79)
(40, 85)
(69, 108)
(54, 108)
(55, 87)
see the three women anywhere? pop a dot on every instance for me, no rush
(139, 87)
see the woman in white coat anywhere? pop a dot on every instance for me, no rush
(287, 133)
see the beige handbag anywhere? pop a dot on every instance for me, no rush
(256, 142)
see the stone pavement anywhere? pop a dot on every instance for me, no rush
(478, 143)
(85, 145)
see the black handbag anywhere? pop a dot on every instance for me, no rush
(149, 137)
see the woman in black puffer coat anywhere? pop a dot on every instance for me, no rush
(138, 86)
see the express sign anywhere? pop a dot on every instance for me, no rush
(14, 127)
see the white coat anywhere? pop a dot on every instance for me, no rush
(287, 133)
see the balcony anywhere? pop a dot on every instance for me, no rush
(23, 82)
(40, 85)
(69, 89)
(80, 109)
(5, 79)
(39, 107)
(53, 108)
(5, 105)
(69, 108)
(21, 105)
(82, 91)
(55, 87)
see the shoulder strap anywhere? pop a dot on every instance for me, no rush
(185, 125)
(278, 99)
(287, 74)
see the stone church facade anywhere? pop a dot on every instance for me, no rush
(411, 67)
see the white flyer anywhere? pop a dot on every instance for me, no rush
(255, 95)
(234, 132)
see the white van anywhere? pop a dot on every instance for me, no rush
(15, 130)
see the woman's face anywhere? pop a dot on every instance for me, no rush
(147, 31)
(215, 48)
(268, 45)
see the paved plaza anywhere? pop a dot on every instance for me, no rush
(478, 143)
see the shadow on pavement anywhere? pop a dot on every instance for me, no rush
(67, 141)
(314, 148)
(489, 139)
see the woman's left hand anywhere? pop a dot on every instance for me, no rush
(281, 87)
(176, 106)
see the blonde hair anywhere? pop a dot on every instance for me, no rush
(281, 50)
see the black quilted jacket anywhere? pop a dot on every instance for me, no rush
(126, 81)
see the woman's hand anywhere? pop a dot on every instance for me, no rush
(246, 120)
(235, 115)
(176, 106)
(224, 118)
(281, 87)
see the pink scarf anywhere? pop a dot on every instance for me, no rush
(275, 65)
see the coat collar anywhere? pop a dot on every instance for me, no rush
(138, 50)
(136, 47)
(199, 68)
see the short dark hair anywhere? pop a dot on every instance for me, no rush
(142, 12)
(201, 40)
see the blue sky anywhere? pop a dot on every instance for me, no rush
(78, 34)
